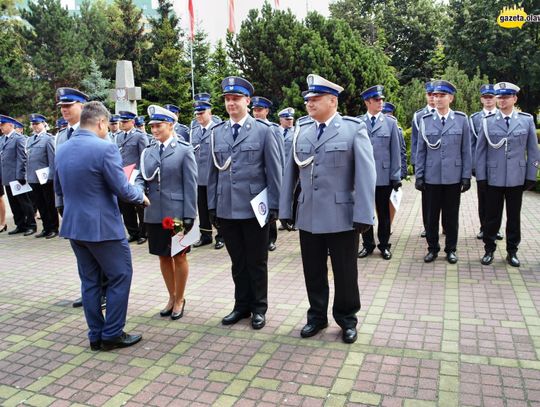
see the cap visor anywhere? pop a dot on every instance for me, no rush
(65, 103)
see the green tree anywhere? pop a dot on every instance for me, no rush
(475, 40)
(95, 85)
(201, 54)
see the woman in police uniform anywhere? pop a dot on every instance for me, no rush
(168, 173)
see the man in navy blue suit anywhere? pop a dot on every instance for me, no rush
(90, 178)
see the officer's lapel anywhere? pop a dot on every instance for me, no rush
(206, 133)
(450, 122)
(34, 140)
(514, 122)
(500, 122)
(378, 124)
(244, 130)
(330, 132)
(228, 133)
(365, 119)
(169, 150)
(310, 133)
(154, 153)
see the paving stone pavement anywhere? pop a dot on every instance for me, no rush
(429, 334)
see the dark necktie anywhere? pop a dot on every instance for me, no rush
(321, 130)
(432, 110)
(70, 132)
(285, 133)
(373, 120)
(161, 148)
(125, 135)
(507, 118)
(203, 131)
(236, 127)
(443, 121)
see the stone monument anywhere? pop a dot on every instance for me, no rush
(125, 94)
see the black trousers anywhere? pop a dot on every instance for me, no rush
(343, 249)
(43, 197)
(247, 245)
(424, 210)
(133, 219)
(481, 207)
(204, 216)
(272, 232)
(496, 196)
(23, 211)
(382, 199)
(445, 200)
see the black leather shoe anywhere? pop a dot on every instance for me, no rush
(42, 234)
(132, 239)
(29, 232)
(258, 321)
(77, 303)
(349, 335)
(499, 236)
(219, 245)
(281, 227)
(364, 253)
(480, 235)
(487, 259)
(202, 242)
(52, 234)
(271, 246)
(386, 254)
(311, 329)
(122, 341)
(234, 317)
(141, 240)
(178, 315)
(431, 256)
(95, 346)
(451, 257)
(15, 231)
(423, 234)
(513, 260)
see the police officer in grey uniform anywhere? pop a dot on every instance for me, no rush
(487, 98)
(507, 158)
(200, 139)
(388, 109)
(13, 168)
(286, 127)
(181, 130)
(246, 160)
(333, 159)
(114, 127)
(261, 108)
(384, 136)
(40, 151)
(443, 168)
(415, 125)
(131, 142)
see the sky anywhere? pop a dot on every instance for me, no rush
(212, 15)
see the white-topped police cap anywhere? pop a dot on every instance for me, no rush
(37, 118)
(287, 113)
(237, 86)
(159, 114)
(11, 120)
(505, 88)
(317, 85)
(68, 96)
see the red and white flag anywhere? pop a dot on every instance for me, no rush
(191, 20)
(231, 16)
(277, 3)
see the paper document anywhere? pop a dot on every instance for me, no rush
(17, 188)
(180, 241)
(43, 175)
(260, 206)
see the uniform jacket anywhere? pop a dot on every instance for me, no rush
(89, 177)
(475, 121)
(40, 152)
(201, 144)
(451, 161)
(255, 165)
(512, 167)
(60, 139)
(403, 153)
(174, 191)
(182, 132)
(384, 137)
(132, 146)
(13, 158)
(287, 143)
(338, 188)
(415, 125)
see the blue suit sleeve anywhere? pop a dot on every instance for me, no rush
(212, 184)
(290, 179)
(116, 178)
(50, 157)
(414, 139)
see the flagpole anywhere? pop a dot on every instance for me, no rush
(192, 38)
(192, 72)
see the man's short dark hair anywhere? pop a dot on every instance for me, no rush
(92, 112)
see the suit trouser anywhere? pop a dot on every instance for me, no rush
(23, 211)
(272, 232)
(43, 197)
(343, 249)
(382, 199)
(247, 245)
(204, 217)
(443, 199)
(496, 196)
(113, 259)
(424, 209)
(133, 219)
(481, 207)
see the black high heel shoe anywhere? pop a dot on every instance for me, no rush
(4, 228)
(165, 312)
(178, 315)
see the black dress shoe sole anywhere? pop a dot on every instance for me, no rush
(272, 247)
(29, 232)
(513, 264)
(77, 304)
(110, 345)
(362, 255)
(430, 260)
(142, 240)
(51, 235)
(233, 321)
(219, 245)
(487, 262)
(313, 332)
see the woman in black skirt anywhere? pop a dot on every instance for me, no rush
(168, 173)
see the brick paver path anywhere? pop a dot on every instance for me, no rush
(429, 334)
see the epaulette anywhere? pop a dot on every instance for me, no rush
(304, 119)
(182, 125)
(427, 115)
(475, 114)
(274, 124)
(184, 142)
(218, 124)
(264, 122)
(391, 117)
(352, 119)
(419, 110)
(305, 122)
(525, 114)
(460, 113)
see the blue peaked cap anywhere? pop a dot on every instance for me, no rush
(237, 86)
(37, 118)
(373, 92)
(388, 107)
(259, 101)
(441, 86)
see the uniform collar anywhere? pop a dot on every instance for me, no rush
(430, 109)
(40, 133)
(10, 133)
(504, 116)
(489, 112)
(327, 123)
(167, 142)
(240, 122)
(376, 116)
(74, 127)
(445, 116)
(207, 127)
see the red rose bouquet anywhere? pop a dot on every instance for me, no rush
(174, 224)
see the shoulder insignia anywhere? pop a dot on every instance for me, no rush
(391, 117)
(352, 119)
(427, 115)
(525, 114)
(460, 113)
(419, 110)
(215, 126)
(264, 122)
(475, 114)
(184, 142)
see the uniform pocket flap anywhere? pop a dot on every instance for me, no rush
(386, 164)
(176, 196)
(492, 164)
(221, 148)
(341, 146)
(458, 163)
(255, 188)
(303, 148)
(250, 147)
(344, 197)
